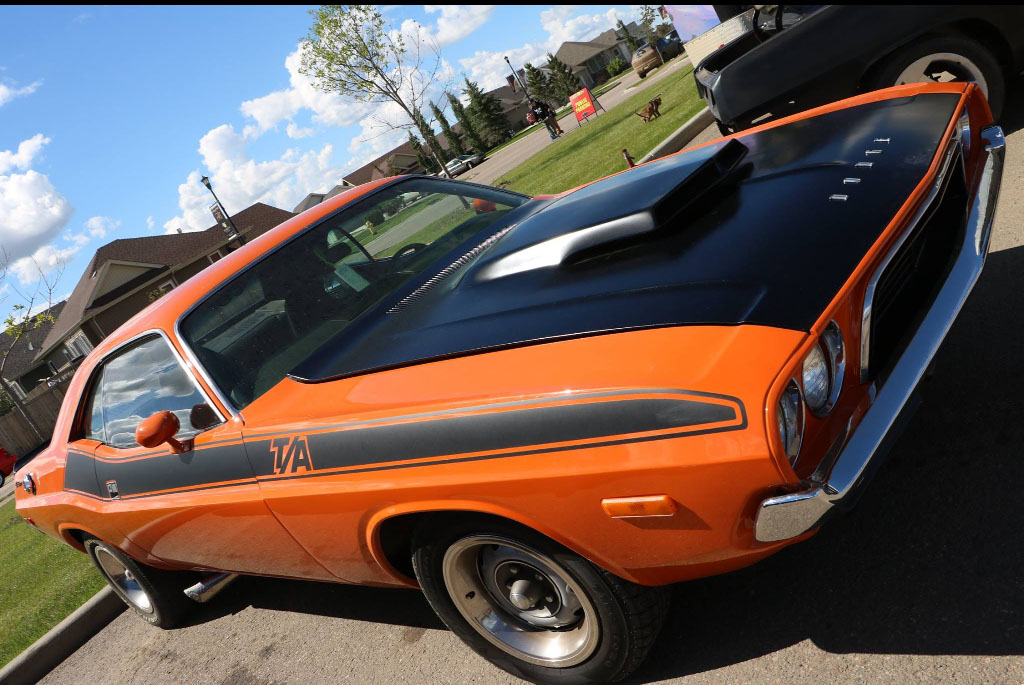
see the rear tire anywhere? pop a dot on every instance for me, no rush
(570, 623)
(961, 57)
(156, 595)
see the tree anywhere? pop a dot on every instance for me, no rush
(631, 42)
(648, 15)
(428, 163)
(616, 66)
(454, 142)
(538, 83)
(23, 319)
(486, 112)
(433, 144)
(350, 50)
(469, 131)
(563, 82)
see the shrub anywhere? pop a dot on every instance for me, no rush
(616, 66)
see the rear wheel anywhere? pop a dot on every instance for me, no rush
(940, 59)
(534, 608)
(156, 595)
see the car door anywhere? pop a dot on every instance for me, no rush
(201, 507)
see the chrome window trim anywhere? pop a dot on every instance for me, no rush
(177, 357)
(869, 293)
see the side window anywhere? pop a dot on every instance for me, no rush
(143, 379)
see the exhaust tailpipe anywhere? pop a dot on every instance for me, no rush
(206, 590)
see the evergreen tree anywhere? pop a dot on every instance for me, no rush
(468, 127)
(563, 82)
(539, 84)
(454, 143)
(631, 42)
(425, 160)
(486, 113)
(430, 139)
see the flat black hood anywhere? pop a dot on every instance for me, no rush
(765, 246)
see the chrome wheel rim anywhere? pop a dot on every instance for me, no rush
(123, 581)
(942, 67)
(521, 601)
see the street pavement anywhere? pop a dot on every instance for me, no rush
(922, 582)
(508, 158)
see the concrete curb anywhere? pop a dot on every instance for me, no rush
(51, 649)
(681, 136)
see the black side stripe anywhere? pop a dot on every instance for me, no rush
(519, 432)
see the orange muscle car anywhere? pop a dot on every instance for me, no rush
(541, 411)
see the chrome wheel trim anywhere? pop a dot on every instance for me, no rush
(560, 631)
(123, 582)
(958, 67)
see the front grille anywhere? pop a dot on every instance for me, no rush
(914, 275)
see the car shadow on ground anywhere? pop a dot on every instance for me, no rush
(930, 562)
(1013, 111)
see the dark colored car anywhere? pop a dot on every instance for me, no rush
(801, 56)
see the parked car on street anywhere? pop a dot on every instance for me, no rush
(540, 411)
(7, 461)
(464, 163)
(801, 56)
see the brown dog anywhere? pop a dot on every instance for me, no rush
(650, 110)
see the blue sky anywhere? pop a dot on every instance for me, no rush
(109, 115)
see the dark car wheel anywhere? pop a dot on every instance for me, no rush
(943, 58)
(2, 477)
(533, 607)
(156, 595)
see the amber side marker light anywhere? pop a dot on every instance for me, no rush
(638, 507)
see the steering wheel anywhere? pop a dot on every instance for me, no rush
(405, 252)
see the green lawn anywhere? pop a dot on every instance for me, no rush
(41, 582)
(595, 149)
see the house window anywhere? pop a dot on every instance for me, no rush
(215, 256)
(78, 345)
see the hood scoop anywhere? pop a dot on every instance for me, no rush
(590, 241)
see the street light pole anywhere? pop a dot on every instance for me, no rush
(516, 75)
(235, 235)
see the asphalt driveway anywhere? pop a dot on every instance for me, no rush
(923, 582)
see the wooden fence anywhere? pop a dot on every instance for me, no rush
(43, 405)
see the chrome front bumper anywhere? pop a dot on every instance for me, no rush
(787, 516)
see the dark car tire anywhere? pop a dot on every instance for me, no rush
(154, 594)
(888, 71)
(642, 74)
(2, 478)
(620, 620)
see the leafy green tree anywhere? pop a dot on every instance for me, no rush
(648, 16)
(563, 82)
(433, 144)
(6, 405)
(539, 84)
(428, 163)
(631, 42)
(616, 66)
(350, 50)
(469, 130)
(486, 113)
(454, 141)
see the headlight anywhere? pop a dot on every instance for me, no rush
(791, 421)
(823, 371)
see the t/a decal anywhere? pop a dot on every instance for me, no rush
(291, 455)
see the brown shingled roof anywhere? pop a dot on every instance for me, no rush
(165, 251)
(22, 356)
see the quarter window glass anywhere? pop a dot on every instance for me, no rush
(138, 382)
(255, 329)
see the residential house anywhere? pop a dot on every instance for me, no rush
(127, 274)
(589, 59)
(22, 370)
(316, 198)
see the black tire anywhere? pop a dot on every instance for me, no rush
(628, 617)
(642, 74)
(164, 590)
(2, 477)
(886, 73)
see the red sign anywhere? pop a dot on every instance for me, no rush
(582, 104)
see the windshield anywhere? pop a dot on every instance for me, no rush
(260, 325)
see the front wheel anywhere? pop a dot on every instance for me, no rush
(534, 608)
(156, 595)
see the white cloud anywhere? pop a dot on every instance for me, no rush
(44, 259)
(149, 223)
(8, 93)
(456, 21)
(296, 132)
(241, 181)
(489, 68)
(99, 226)
(23, 158)
(32, 213)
